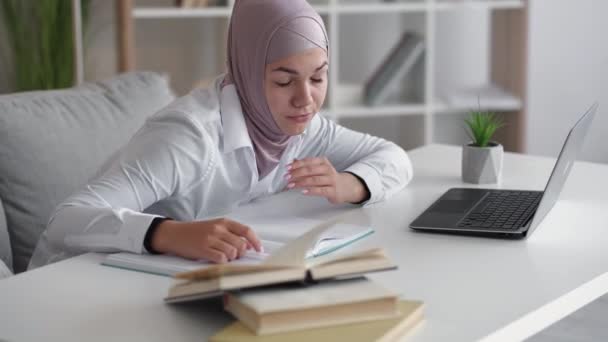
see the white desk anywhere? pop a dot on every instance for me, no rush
(471, 286)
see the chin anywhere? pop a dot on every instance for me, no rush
(291, 129)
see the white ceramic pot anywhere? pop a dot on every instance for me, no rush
(482, 165)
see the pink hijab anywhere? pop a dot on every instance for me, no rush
(262, 32)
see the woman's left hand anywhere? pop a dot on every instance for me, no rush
(318, 177)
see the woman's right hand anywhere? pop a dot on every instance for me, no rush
(219, 240)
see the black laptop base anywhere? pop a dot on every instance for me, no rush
(474, 234)
(481, 212)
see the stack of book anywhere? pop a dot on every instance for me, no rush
(355, 309)
(290, 296)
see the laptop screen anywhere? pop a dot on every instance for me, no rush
(567, 156)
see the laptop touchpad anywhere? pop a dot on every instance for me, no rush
(450, 208)
(454, 206)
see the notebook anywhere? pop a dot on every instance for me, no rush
(274, 234)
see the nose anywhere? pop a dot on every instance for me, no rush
(302, 96)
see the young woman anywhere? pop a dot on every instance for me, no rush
(254, 132)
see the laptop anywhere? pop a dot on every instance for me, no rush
(504, 213)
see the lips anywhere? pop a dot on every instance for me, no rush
(299, 117)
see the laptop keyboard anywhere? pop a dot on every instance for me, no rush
(502, 210)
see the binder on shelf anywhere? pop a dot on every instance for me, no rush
(400, 60)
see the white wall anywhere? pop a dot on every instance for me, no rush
(462, 59)
(568, 70)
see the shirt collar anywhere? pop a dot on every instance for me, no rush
(235, 133)
(234, 128)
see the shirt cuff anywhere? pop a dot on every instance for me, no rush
(364, 185)
(371, 179)
(136, 226)
(150, 233)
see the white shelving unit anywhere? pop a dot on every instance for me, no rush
(345, 98)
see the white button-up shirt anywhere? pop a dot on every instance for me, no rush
(194, 160)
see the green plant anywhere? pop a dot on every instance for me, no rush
(39, 35)
(482, 126)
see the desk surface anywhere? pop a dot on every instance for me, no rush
(471, 286)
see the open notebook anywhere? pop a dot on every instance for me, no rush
(274, 233)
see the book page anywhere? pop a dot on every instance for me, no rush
(295, 252)
(278, 229)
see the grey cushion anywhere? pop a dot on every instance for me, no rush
(53, 142)
(5, 244)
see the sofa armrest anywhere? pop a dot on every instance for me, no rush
(4, 271)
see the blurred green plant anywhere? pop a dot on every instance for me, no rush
(40, 45)
(482, 126)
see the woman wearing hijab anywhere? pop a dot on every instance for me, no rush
(254, 132)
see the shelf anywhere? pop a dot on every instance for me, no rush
(340, 8)
(487, 98)
(484, 4)
(388, 110)
(381, 7)
(204, 12)
(176, 12)
(432, 95)
(348, 103)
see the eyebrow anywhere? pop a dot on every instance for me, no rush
(294, 72)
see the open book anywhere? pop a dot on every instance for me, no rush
(287, 264)
(274, 233)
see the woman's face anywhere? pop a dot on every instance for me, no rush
(295, 89)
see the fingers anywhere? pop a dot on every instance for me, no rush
(310, 172)
(325, 191)
(228, 251)
(218, 240)
(237, 242)
(307, 171)
(308, 166)
(311, 181)
(247, 233)
(214, 255)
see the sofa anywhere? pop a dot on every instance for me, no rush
(53, 142)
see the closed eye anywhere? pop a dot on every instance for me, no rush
(285, 84)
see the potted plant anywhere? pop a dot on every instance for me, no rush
(39, 43)
(482, 158)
